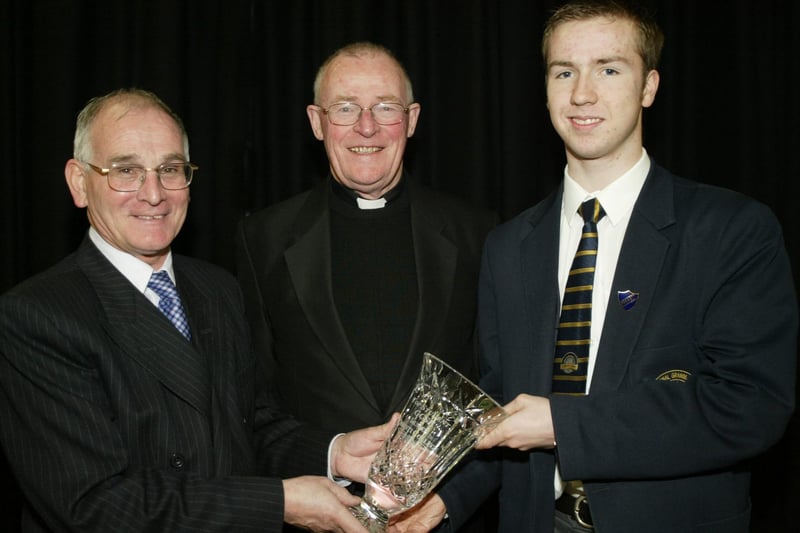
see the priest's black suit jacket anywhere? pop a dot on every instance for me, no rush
(692, 381)
(284, 265)
(112, 421)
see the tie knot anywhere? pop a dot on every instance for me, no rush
(161, 284)
(591, 210)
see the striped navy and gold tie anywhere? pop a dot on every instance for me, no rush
(571, 360)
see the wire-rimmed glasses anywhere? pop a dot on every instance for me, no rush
(348, 113)
(123, 177)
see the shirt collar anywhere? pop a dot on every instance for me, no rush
(135, 270)
(617, 198)
(353, 198)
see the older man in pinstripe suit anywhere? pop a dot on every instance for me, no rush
(112, 419)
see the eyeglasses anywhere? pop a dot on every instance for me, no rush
(348, 113)
(122, 177)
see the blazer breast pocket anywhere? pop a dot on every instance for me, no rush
(676, 362)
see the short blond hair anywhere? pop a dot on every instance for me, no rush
(650, 38)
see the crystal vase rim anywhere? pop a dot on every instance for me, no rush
(462, 376)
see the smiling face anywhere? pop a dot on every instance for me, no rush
(596, 89)
(145, 222)
(366, 157)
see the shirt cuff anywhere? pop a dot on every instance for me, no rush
(341, 481)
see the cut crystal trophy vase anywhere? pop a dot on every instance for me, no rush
(442, 420)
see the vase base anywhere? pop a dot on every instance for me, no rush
(375, 520)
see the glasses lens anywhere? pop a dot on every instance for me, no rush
(175, 175)
(387, 113)
(344, 114)
(125, 178)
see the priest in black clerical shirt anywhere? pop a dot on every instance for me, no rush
(349, 283)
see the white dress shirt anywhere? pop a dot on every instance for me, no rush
(135, 270)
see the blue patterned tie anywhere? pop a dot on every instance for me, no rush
(571, 360)
(169, 302)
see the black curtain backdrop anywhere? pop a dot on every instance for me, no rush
(240, 74)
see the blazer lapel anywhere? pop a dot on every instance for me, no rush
(539, 270)
(143, 333)
(309, 263)
(638, 269)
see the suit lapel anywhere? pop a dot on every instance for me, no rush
(216, 336)
(213, 340)
(436, 259)
(143, 333)
(644, 249)
(539, 268)
(309, 263)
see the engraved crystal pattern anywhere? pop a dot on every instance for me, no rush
(442, 420)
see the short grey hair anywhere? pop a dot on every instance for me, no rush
(130, 98)
(361, 49)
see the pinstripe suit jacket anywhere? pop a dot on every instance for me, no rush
(111, 421)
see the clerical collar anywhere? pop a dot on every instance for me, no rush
(353, 198)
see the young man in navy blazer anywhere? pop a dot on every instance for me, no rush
(691, 362)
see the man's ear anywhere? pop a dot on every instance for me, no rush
(650, 88)
(315, 118)
(76, 181)
(413, 115)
